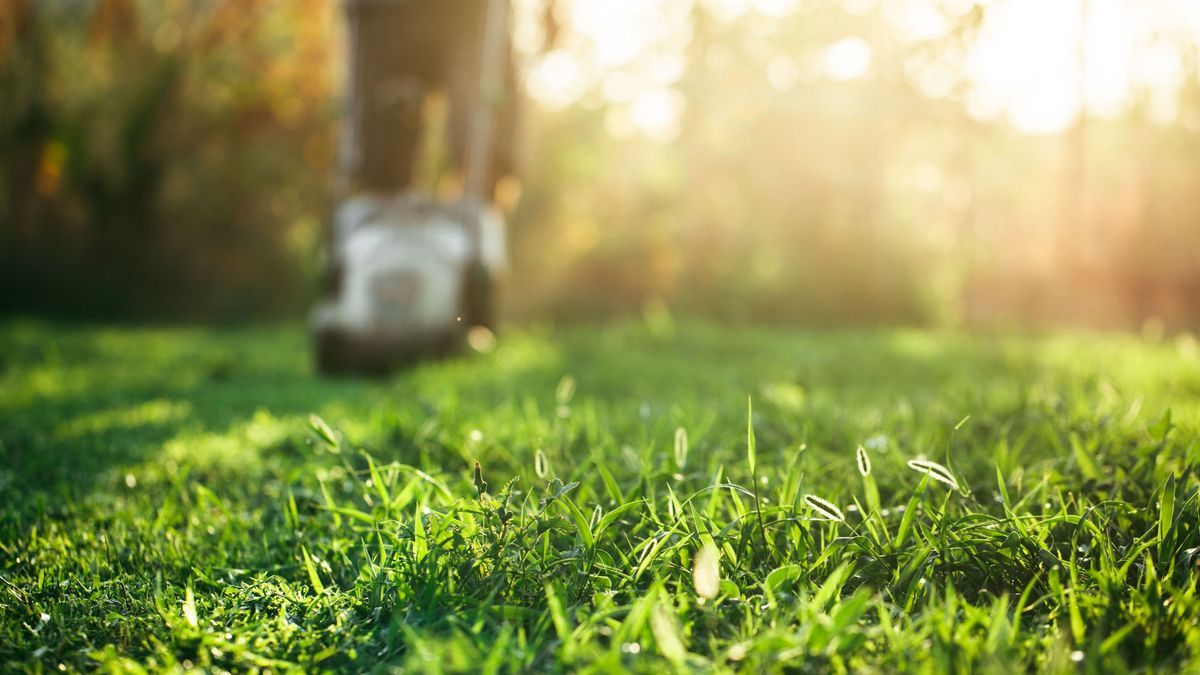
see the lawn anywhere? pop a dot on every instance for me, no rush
(184, 497)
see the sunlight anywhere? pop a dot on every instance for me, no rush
(783, 73)
(1039, 64)
(631, 51)
(620, 33)
(557, 80)
(848, 59)
(775, 8)
(656, 113)
(1032, 63)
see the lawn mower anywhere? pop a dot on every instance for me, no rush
(411, 275)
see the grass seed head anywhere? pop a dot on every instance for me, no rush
(864, 462)
(480, 483)
(935, 471)
(824, 508)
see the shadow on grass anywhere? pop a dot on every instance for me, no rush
(82, 404)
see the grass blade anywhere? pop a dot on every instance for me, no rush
(751, 453)
(706, 571)
(311, 568)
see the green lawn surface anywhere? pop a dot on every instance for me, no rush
(176, 498)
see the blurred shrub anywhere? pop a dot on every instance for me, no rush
(162, 157)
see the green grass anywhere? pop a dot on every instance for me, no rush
(167, 502)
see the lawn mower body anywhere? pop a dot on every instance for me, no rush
(409, 277)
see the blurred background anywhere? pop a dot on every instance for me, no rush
(949, 162)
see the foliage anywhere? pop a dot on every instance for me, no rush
(175, 158)
(163, 157)
(1017, 503)
(785, 194)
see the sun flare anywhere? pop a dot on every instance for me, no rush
(1035, 64)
